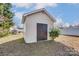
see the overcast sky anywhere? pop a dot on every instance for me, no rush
(63, 13)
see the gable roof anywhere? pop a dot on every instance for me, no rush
(37, 11)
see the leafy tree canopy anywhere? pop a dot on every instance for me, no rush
(5, 11)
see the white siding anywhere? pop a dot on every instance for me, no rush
(30, 26)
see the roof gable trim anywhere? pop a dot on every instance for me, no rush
(37, 11)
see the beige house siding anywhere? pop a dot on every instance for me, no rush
(30, 26)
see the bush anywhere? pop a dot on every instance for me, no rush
(3, 34)
(54, 33)
(13, 32)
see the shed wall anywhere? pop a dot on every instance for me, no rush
(30, 26)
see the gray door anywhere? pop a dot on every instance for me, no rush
(41, 31)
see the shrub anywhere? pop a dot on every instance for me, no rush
(54, 33)
(3, 34)
(14, 32)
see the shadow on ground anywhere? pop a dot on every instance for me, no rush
(44, 48)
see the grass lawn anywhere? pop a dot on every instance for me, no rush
(10, 37)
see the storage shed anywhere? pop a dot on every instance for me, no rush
(37, 25)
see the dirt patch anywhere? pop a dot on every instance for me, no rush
(44, 48)
(71, 41)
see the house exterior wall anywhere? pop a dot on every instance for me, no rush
(70, 31)
(30, 26)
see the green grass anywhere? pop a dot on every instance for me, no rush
(21, 40)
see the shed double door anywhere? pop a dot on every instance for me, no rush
(41, 31)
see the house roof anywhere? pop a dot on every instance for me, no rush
(37, 11)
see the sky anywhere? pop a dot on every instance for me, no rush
(64, 13)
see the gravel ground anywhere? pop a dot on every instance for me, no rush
(44, 48)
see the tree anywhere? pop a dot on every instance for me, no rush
(5, 10)
(1, 8)
(7, 14)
